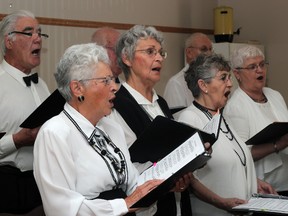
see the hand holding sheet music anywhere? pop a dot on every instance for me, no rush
(265, 203)
(177, 148)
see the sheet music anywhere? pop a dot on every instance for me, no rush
(174, 161)
(265, 205)
(213, 126)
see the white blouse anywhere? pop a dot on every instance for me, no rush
(224, 173)
(248, 118)
(69, 172)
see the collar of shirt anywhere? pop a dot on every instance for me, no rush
(153, 109)
(83, 123)
(14, 72)
(186, 67)
(139, 97)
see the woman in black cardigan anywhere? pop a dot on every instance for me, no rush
(140, 56)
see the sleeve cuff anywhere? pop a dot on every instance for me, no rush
(7, 145)
(119, 206)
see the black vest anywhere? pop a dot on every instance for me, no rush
(133, 114)
(137, 119)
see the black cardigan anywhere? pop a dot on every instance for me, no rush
(133, 114)
(137, 119)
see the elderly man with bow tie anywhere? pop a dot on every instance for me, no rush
(21, 91)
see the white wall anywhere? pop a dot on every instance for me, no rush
(171, 13)
(265, 21)
(262, 20)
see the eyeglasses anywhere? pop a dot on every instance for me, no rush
(253, 67)
(225, 77)
(203, 49)
(29, 34)
(106, 80)
(152, 52)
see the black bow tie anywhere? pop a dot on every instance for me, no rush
(33, 78)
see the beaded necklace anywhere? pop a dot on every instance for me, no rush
(99, 141)
(262, 100)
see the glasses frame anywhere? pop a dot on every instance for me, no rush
(152, 52)
(254, 67)
(106, 80)
(30, 34)
(227, 76)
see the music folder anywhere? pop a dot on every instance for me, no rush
(2, 134)
(264, 204)
(175, 148)
(269, 134)
(177, 109)
(52, 106)
(161, 137)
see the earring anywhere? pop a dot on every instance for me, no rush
(81, 98)
(206, 91)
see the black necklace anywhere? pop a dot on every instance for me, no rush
(227, 133)
(102, 139)
(205, 110)
(262, 100)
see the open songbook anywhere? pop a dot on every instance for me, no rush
(270, 133)
(174, 161)
(187, 157)
(175, 149)
(265, 203)
(164, 135)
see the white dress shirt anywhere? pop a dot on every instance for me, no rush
(70, 174)
(177, 93)
(248, 118)
(17, 102)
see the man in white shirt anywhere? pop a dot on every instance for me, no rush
(20, 94)
(176, 91)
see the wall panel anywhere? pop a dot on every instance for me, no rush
(169, 14)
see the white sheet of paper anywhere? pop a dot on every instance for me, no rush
(212, 127)
(266, 205)
(174, 161)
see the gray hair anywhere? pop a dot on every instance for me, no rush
(128, 41)
(8, 24)
(240, 55)
(204, 67)
(79, 62)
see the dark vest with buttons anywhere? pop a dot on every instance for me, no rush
(137, 119)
